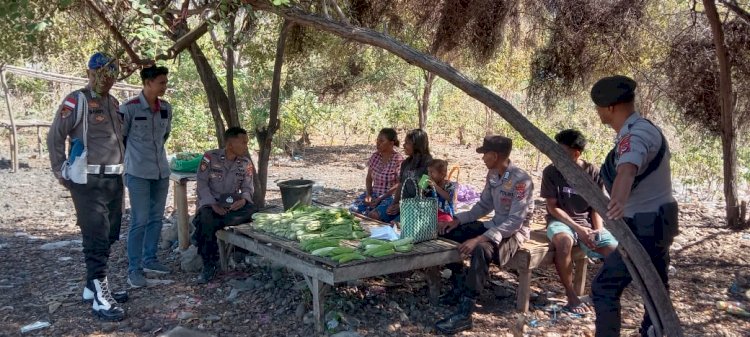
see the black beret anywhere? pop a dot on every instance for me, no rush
(612, 90)
(494, 143)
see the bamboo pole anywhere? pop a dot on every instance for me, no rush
(13, 131)
(59, 78)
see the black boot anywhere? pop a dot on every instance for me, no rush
(208, 273)
(89, 290)
(459, 320)
(104, 306)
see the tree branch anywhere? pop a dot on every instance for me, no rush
(734, 7)
(116, 34)
(324, 8)
(339, 11)
(216, 44)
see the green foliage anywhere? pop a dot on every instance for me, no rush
(29, 28)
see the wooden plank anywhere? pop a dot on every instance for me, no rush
(59, 78)
(394, 264)
(291, 246)
(274, 253)
(24, 124)
(422, 248)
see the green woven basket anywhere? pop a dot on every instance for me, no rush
(418, 216)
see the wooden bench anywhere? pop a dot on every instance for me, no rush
(537, 252)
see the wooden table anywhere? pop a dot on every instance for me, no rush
(180, 180)
(321, 273)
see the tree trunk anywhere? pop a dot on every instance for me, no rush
(229, 62)
(728, 128)
(638, 262)
(424, 104)
(213, 90)
(265, 136)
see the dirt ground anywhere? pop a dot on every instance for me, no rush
(43, 283)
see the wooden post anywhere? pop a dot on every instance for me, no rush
(432, 275)
(181, 208)
(579, 279)
(318, 290)
(13, 131)
(39, 140)
(523, 293)
(223, 254)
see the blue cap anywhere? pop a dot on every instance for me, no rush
(99, 60)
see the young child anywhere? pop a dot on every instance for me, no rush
(441, 189)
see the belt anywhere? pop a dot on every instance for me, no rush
(105, 169)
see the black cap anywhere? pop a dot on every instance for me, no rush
(495, 143)
(612, 90)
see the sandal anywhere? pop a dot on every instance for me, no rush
(580, 309)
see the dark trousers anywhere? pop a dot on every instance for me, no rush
(98, 206)
(472, 280)
(209, 222)
(655, 232)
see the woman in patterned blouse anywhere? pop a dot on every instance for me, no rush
(383, 172)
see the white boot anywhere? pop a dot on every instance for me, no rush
(104, 305)
(88, 293)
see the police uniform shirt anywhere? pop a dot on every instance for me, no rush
(104, 139)
(555, 186)
(637, 143)
(146, 133)
(217, 175)
(510, 195)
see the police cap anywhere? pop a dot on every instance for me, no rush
(612, 90)
(495, 143)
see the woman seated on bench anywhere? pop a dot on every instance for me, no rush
(383, 170)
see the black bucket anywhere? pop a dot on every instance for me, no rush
(293, 191)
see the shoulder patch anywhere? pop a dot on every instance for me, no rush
(624, 145)
(249, 168)
(133, 101)
(70, 102)
(205, 162)
(520, 191)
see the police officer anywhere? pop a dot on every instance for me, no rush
(225, 196)
(508, 191)
(146, 126)
(637, 175)
(89, 116)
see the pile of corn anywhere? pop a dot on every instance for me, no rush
(321, 231)
(308, 222)
(331, 248)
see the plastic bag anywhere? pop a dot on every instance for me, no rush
(186, 162)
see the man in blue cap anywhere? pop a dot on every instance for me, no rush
(93, 174)
(637, 175)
